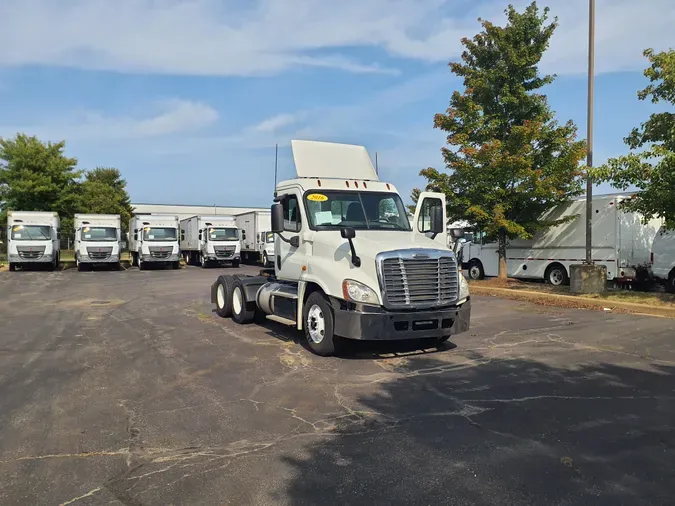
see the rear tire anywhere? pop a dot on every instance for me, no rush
(317, 316)
(556, 275)
(670, 284)
(243, 311)
(476, 271)
(224, 286)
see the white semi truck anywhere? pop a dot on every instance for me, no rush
(98, 240)
(348, 263)
(153, 239)
(206, 240)
(257, 239)
(34, 237)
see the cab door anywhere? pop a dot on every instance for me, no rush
(290, 259)
(422, 220)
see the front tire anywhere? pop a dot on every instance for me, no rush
(176, 265)
(318, 322)
(670, 284)
(476, 271)
(235, 263)
(12, 267)
(265, 261)
(243, 312)
(556, 275)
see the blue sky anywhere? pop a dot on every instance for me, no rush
(188, 97)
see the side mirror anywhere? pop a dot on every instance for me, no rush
(277, 218)
(200, 235)
(437, 225)
(347, 233)
(457, 233)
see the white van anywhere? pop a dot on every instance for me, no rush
(663, 258)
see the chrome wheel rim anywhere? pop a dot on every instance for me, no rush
(316, 324)
(556, 277)
(474, 272)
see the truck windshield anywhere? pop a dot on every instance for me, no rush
(31, 233)
(270, 238)
(99, 234)
(159, 234)
(360, 210)
(222, 234)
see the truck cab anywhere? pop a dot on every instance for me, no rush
(265, 242)
(663, 258)
(347, 261)
(98, 240)
(33, 238)
(153, 239)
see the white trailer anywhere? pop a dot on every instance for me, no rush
(98, 240)
(153, 239)
(257, 239)
(33, 237)
(349, 262)
(206, 240)
(663, 258)
(621, 242)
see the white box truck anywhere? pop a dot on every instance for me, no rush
(663, 258)
(348, 262)
(621, 242)
(98, 240)
(257, 239)
(206, 240)
(33, 237)
(153, 239)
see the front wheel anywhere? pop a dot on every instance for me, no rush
(556, 275)
(235, 263)
(265, 260)
(317, 316)
(670, 285)
(476, 271)
(176, 265)
(12, 267)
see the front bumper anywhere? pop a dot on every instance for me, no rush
(172, 258)
(17, 259)
(381, 325)
(112, 259)
(213, 258)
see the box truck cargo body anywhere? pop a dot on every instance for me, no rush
(33, 237)
(98, 239)
(257, 240)
(153, 239)
(207, 240)
(621, 242)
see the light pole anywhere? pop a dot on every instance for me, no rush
(589, 135)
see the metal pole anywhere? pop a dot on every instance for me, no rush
(276, 165)
(377, 170)
(589, 146)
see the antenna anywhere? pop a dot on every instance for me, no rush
(376, 169)
(276, 165)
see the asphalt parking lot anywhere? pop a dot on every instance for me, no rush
(125, 388)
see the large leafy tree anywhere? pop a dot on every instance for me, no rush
(650, 164)
(103, 191)
(508, 160)
(37, 176)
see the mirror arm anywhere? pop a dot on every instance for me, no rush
(356, 261)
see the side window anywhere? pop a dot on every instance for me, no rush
(292, 222)
(424, 219)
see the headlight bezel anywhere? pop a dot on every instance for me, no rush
(358, 287)
(463, 292)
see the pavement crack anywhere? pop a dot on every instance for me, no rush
(82, 455)
(83, 496)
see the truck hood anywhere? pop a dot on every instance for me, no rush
(331, 256)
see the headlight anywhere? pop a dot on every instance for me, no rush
(358, 292)
(463, 288)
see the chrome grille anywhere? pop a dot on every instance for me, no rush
(429, 280)
(99, 253)
(224, 251)
(160, 252)
(31, 252)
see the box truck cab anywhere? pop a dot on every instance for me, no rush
(153, 239)
(348, 263)
(33, 238)
(663, 258)
(206, 240)
(98, 240)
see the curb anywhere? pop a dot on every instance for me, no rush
(577, 301)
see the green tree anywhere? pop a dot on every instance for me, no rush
(508, 159)
(37, 176)
(650, 164)
(103, 191)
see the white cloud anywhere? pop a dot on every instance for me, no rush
(217, 37)
(170, 117)
(276, 123)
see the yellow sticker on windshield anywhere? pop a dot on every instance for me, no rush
(317, 197)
